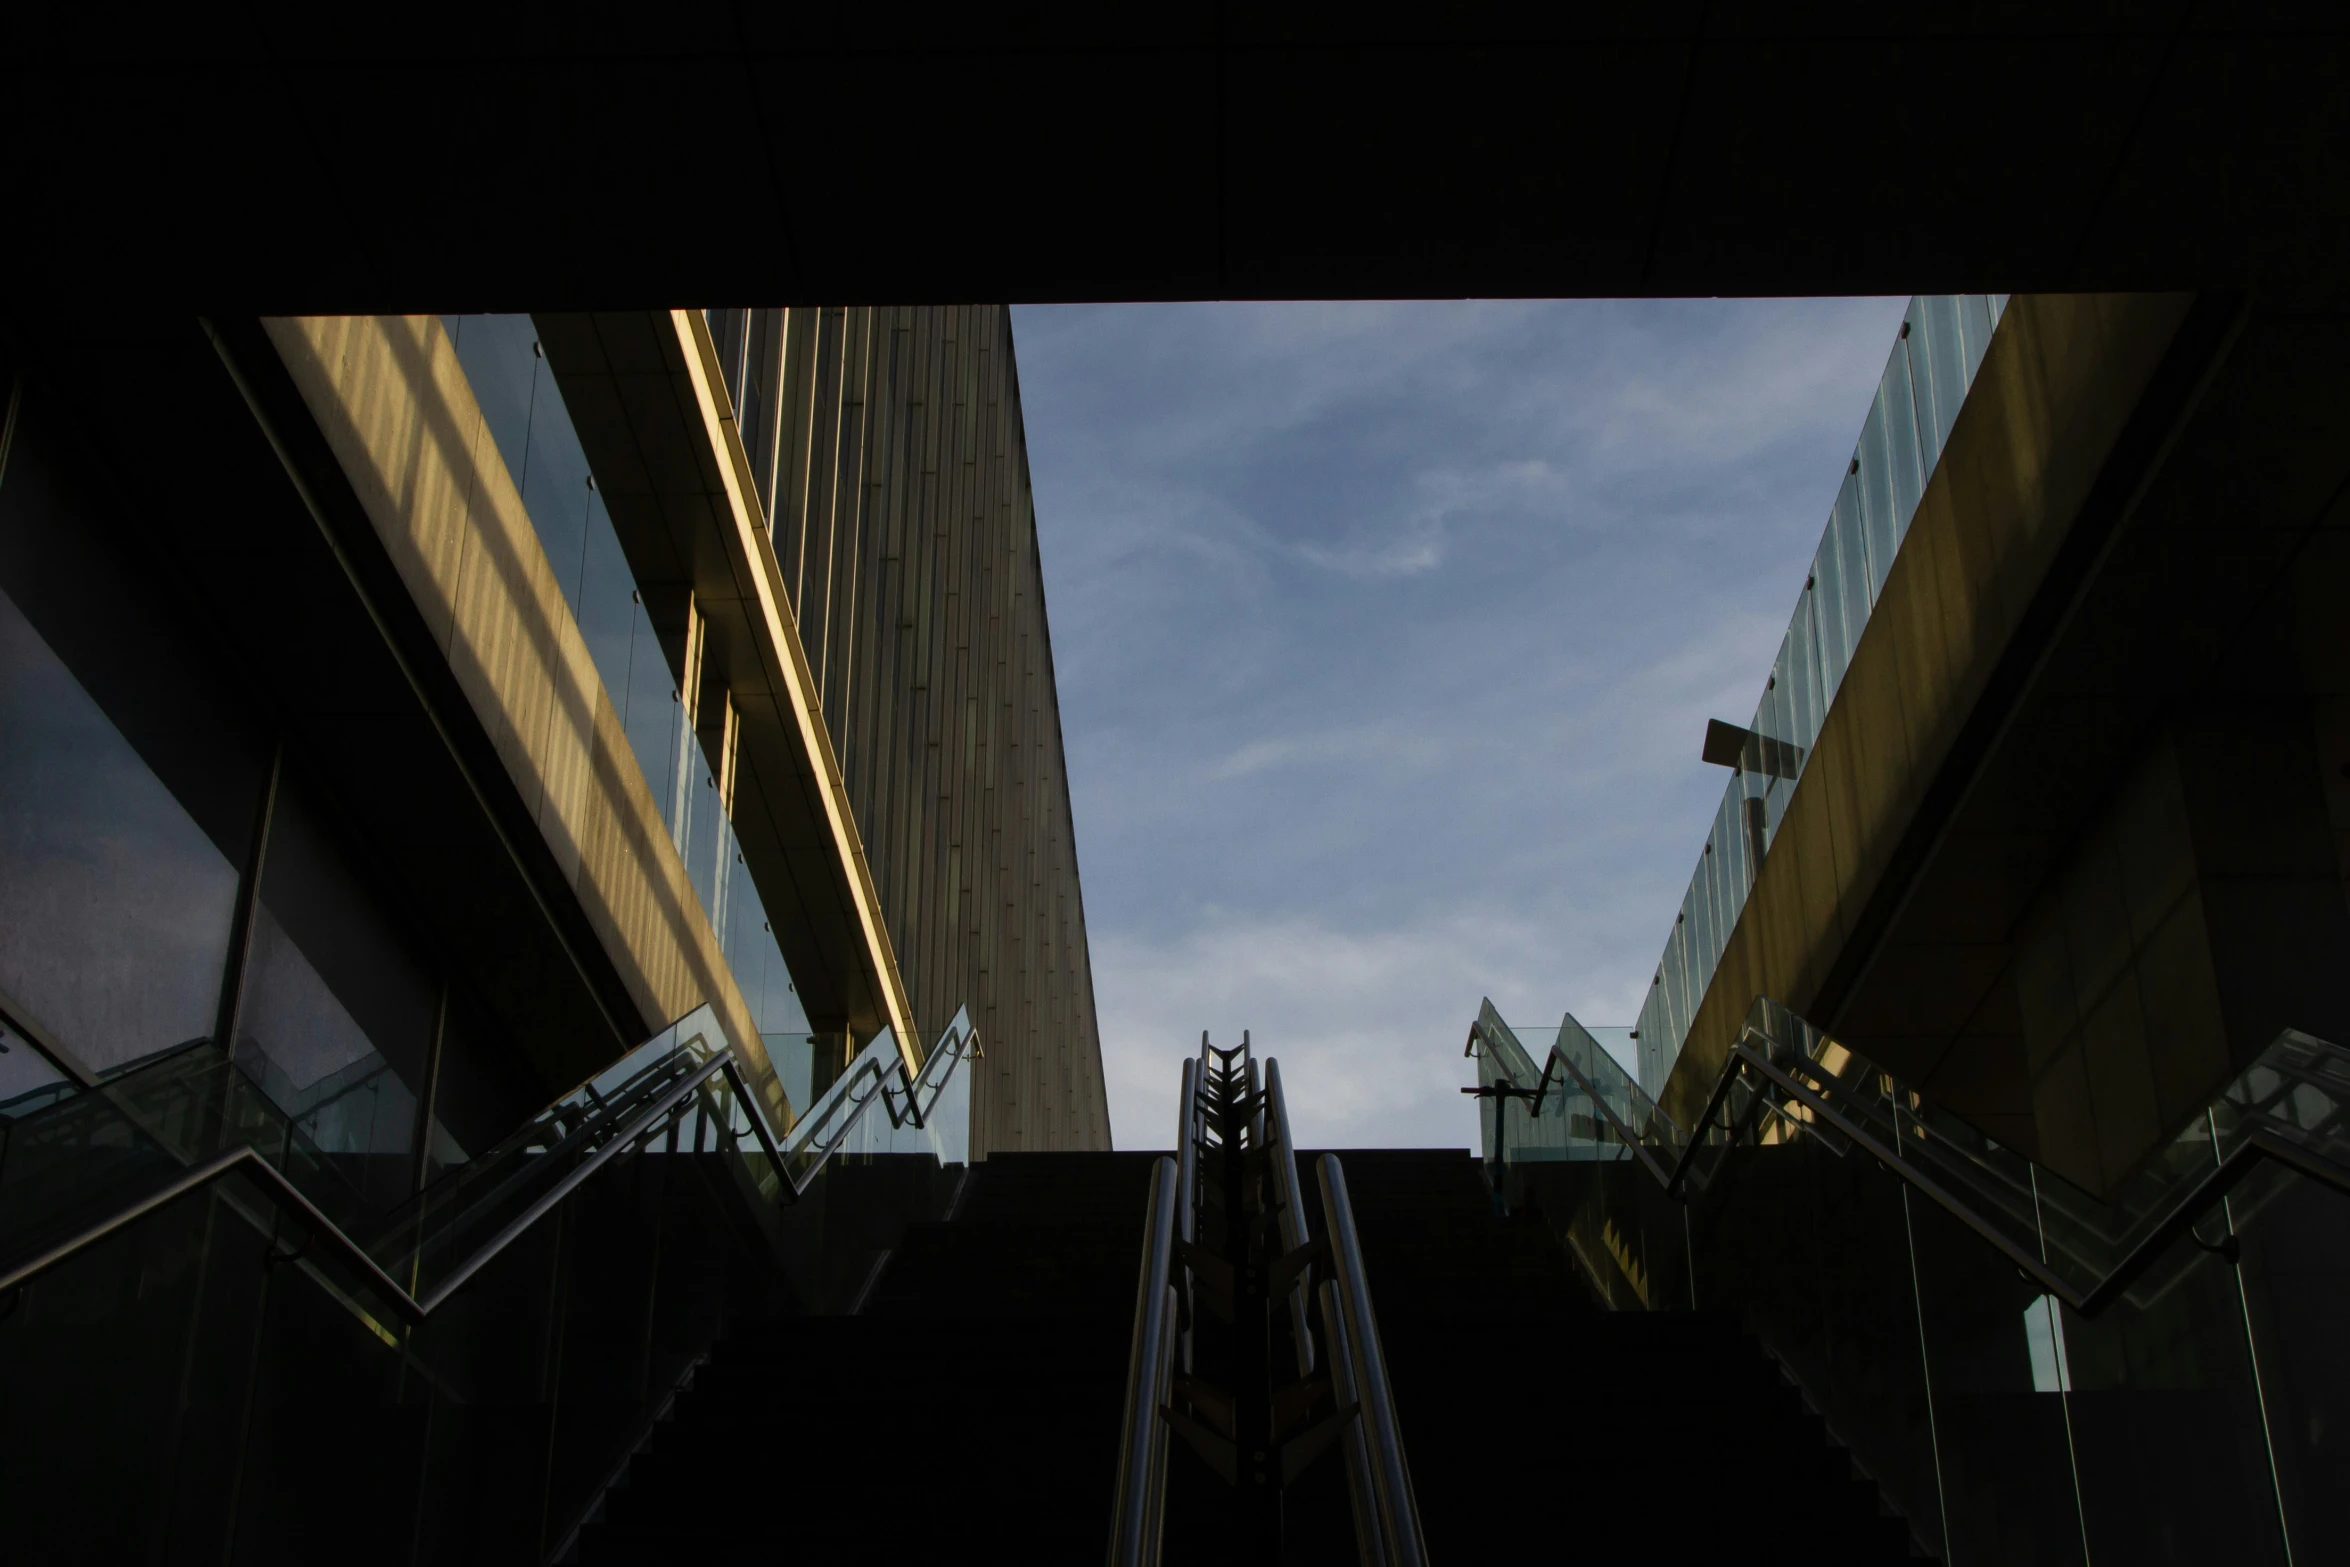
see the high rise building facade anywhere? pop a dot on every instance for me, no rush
(459, 775)
(827, 809)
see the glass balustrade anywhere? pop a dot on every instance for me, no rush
(587, 1261)
(2019, 1363)
(1932, 365)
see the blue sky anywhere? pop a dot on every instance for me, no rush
(1386, 636)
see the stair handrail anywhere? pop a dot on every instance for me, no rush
(638, 1125)
(1751, 1059)
(1162, 1334)
(1137, 1516)
(1347, 1298)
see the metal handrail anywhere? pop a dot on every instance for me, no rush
(1362, 1490)
(1292, 1218)
(2181, 1216)
(247, 1161)
(1135, 1528)
(1391, 1476)
(1379, 1486)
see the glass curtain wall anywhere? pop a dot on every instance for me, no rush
(170, 877)
(1933, 363)
(524, 410)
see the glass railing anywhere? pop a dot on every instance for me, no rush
(65, 1169)
(532, 430)
(191, 1287)
(2281, 1118)
(1995, 1344)
(1927, 376)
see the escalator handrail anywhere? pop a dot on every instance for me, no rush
(247, 1161)
(2180, 1216)
(1135, 1521)
(1391, 1474)
(1292, 1215)
(1379, 1477)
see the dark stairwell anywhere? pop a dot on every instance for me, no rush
(969, 1409)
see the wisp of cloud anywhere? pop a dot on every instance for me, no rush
(1386, 635)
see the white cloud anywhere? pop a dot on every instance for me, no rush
(1368, 1025)
(1386, 636)
(1381, 745)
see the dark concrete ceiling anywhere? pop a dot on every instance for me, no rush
(310, 158)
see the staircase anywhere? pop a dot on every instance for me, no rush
(1538, 1423)
(969, 1410)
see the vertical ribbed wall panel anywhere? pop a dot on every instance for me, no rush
(897, 484)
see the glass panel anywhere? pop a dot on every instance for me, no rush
(127, 1370)
(2160, 1394)
(1974, 325)
(2007, 1424)
(608, 610)
(1698, 915)
(1953, 367)
(1808, 704)
(1924, 386)
(1926, 377)
(555, 487)
(1909, 462)
(115, 904)
(650, 711)
(1827, 595)
(1841, 577)
(482, 1091)
(267, 1402)
(523, 408)
(337, 1015)
(2295, 1274)
(29, 1081)
(534, 434)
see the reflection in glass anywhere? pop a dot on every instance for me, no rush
(115, 906)
(28, 1080)
(2044, 1344)
(2008, 1424)
(336, 1018)
(303, 1049)
(532, 429)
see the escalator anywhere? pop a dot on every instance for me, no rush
(1485, 1402)
(649, 1326)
